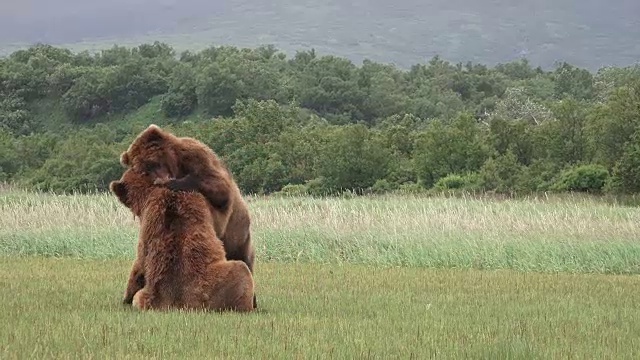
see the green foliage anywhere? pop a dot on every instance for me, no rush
(565, 140)
(300, 151)
(319, 122)
(257, 162)
(585, 178)
(14, 117)
(319, 187)
(64, 77)
(382, 186)
(502, 173)
(34, 150)
(8, 156)
(573, 82)
(626, 173)
(155, 50)
(471, 181)
(120, 80)
(181, 98)
(85, 162)
(217, 89)
(353, 158)
(87, 98)
(444, 149)
(293, 190)
(516, 136)
(520, 70)
(329, 85)
(177, 104)
(227, 74)
(134, 83)
(614, 122)
(382, 86)
(608, 79)
(538, 176)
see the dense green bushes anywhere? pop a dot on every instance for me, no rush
(322, 125)
(586, 178)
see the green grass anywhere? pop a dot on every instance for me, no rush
(568, 234)
(70, 308)
(366, 277)
(49, 116)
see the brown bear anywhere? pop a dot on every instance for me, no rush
(183, 163)
(182, 262)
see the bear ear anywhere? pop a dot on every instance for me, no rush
(119, 189)
(154, 133)
(124, 159)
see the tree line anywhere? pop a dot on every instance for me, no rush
(314, 124)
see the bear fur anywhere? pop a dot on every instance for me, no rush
(184, 163)
(180, 262)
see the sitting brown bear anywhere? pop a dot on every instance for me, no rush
(183, 163)
(183, 262)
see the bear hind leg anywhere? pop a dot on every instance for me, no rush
(142, 300)
(234, 290)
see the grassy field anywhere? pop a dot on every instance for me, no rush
(569, 234)
(387, 277)
(70, 308)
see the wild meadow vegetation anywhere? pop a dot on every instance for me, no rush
(572, 234)
(390, 276)
(68, 308)
(448, 210)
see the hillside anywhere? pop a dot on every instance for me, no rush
(320, 124)
(588, 33)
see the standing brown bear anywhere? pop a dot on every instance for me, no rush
(183, 261)
(183, 163)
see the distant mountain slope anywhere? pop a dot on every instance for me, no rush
(586, 33)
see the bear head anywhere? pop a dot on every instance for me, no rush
(133, 189)
(153, 152)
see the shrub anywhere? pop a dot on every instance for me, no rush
(177, 105)
(625, 177)
(502, 173)
(382, 186)
(584, 178)
(292, 190)
(86, 161)
(471, 181)
(538, 176)
(318, 187)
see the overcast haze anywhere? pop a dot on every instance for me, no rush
(585, 33)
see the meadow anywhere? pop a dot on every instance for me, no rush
(394, 276)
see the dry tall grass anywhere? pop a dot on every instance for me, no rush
(558, 233)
